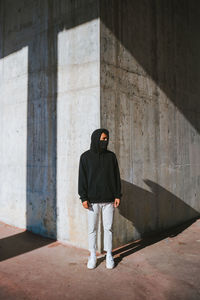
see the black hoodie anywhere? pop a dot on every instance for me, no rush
(99, 176)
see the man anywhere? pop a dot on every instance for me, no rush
(99, 187)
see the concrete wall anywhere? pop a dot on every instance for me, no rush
(78, 114)
(26, 37)
(69, 67)
(150, 69)
(50, 104)
(13, 134)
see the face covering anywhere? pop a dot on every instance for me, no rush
(103, 144)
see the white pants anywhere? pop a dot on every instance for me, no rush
(107, 216)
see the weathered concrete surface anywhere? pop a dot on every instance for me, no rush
(68, 67)
(150, 69)
(166, 268)
(13, 134)
(28, 177)
(78, 114)
(50, 104)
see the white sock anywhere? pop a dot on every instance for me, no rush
(109, 253)
(93, 253)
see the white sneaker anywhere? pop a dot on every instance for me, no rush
(110, 262)
(92, 261)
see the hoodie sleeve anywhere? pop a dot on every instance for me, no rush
(82, 181)
(118, 193)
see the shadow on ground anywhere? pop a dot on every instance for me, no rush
(21, 243)
(135, 246)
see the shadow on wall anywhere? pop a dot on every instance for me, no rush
(149, 212)
(151, 67)
(175, 70)
(162, 37)
(36, 24)
(135, 246)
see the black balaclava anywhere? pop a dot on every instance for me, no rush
(96, 145)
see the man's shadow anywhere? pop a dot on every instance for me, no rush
(145, 217)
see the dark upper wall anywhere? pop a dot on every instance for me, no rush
(163, 37)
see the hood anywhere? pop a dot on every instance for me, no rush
(95, 137)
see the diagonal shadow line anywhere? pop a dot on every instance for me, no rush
(162, 36)
(137, 47)
(149, 213)
(40, 35)
(152, 238)
(21, 243)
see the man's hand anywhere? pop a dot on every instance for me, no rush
(86, 204)
(117, 202)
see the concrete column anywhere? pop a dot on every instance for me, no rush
(149, 102)
(78, 114)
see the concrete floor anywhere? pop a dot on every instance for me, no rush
(166, 267)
